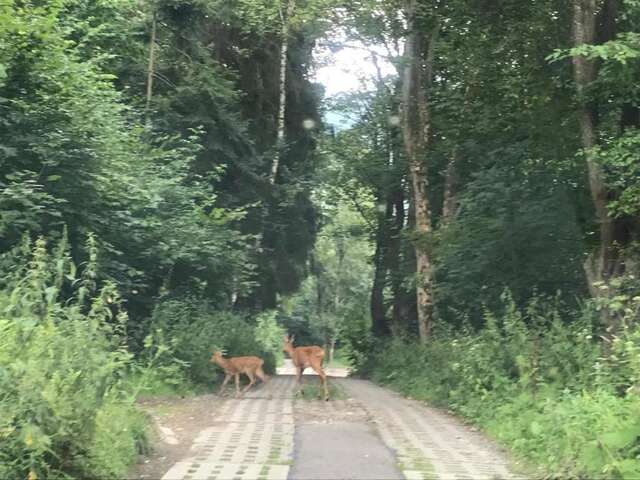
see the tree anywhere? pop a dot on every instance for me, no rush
(415, 127)
(596, 37)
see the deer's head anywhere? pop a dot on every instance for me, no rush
(217, 357)
(287, 344)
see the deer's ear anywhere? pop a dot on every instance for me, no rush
(293, 337)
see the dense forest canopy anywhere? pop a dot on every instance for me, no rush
(172, 180)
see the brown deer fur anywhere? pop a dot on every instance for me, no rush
(234, 366)
(304, 357)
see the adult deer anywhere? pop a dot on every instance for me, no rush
(234, 366)
(304, 357)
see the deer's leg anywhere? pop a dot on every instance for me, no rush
(237, 375)
(323, 380)
(261, 375)
(252, 381)
(227, 377)
(299, 371)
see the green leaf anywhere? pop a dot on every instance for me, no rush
(620, 439)
(628, 468)
(536, 429)
(593, 457)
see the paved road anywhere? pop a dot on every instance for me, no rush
(247, 438)
(372, 434)
(428, 443)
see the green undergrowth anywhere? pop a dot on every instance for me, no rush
(196, 329)
(538, 383)
(68, 383)
(162, 387)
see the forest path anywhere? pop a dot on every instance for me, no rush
(428, 443)
(269, 434)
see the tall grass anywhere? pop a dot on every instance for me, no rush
(65, 409)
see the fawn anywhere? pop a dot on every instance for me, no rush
(234, 366)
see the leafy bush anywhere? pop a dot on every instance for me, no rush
(542, 386)
(63, 406)
(269, 335)
(358, 343)
(197, 330)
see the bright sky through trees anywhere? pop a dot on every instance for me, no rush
(349, 69)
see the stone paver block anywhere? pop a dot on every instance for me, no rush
(226, 471)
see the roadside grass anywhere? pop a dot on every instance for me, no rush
(311, 390)
(159, 387)
(539, 385)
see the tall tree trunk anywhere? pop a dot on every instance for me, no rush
(337, 298)
(395, 261)
(451, 178)
(607, 261)
(332, 349)
(284, 48)
(415, 125)
(151, 66)
(379, 321)
(450, 189)
(599, 266)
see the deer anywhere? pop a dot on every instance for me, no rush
(304, 357)
(234, 366)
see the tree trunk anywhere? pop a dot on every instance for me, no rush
(151, 65)
(451, 179)
(450, 189)
(415, 125)
(337, 297)
(284, 48)
(379, 322)
(332, 349)
(602, 264)
(395, 261)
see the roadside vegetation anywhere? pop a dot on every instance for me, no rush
(171, 185)
(539, 382)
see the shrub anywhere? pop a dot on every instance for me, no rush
(358, 344)
(537, 383)
(269, 335)
(197, 330)
(63, 410)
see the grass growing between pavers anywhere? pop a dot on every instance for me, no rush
(414, 466)
(313, 391)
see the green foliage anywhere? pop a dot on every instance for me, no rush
(64, 409)
(331, 305)
(217, 70)
(269, 335)
(536, 382)
(188, 229)
(358, 343)
(197, 329)
(619, 155)
(74, 152)
(519, 233)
